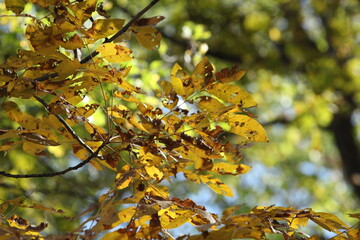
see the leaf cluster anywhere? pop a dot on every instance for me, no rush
(185, 135)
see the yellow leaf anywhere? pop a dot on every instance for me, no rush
(72, 43)
(191, 175)
(81, 153)
(229, 75)
(217, 185)
(154, 172)
(203, 74)
(114, 53)
(171, 98)
(212, 105)
(115, 236)
(329, 222)
(127, 96)
(82, 11)
(18, 222)
(124, 183)
(247, 127)
(232, 94)
(25, 120)
(41, 137)
(9, 145)
(4, 134)
(55, 124)
(94, 129)
(173, 218)
(147, 36)
(136, 123)
(173, 123)
(160, 191)
(102, 28)
(299, 222)
(176, 81)
(150, 159)
(353, 234)
(67, 68)
(33, 148)
(230, 169)
(17, 6)
(124, 216)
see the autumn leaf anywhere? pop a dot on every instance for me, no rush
(66, 68)
(114, 53)
(41, 137)
(173, 217)
(329, 222)
(154, 172)
(247, 127)
(148, 21)
(102, 28)
(229, 75)
(148, 37)
(17, 6)
(232, 94)
(203, 74)
(217, 185)
(176, 82)
(25, 120)
(224, 168)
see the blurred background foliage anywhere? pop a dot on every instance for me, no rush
(303, 68)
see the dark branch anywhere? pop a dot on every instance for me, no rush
(68, 128)
(53, 174)
(94, 53)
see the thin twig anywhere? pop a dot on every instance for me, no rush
(52, 174)
(119, 33)
(68, 128)
(86, 59)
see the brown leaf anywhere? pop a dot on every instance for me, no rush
(148, 21)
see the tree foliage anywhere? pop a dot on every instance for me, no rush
(145, 146)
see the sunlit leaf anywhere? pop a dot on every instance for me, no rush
(25, 120)
(176, 82)
(102, 28)
(217, 185)
(173, 218)
(247, 127)
(230, 169)
(203, 74)
(229, 75)
(148, 21)
(33, 148)
(154, 172)
(114, 53)
(329, 222)
(232, 94)
(17, 6)
(41, 137)
(148, 37)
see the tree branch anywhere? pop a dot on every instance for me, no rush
(68, 128)
(94, 53)
(52, 174)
